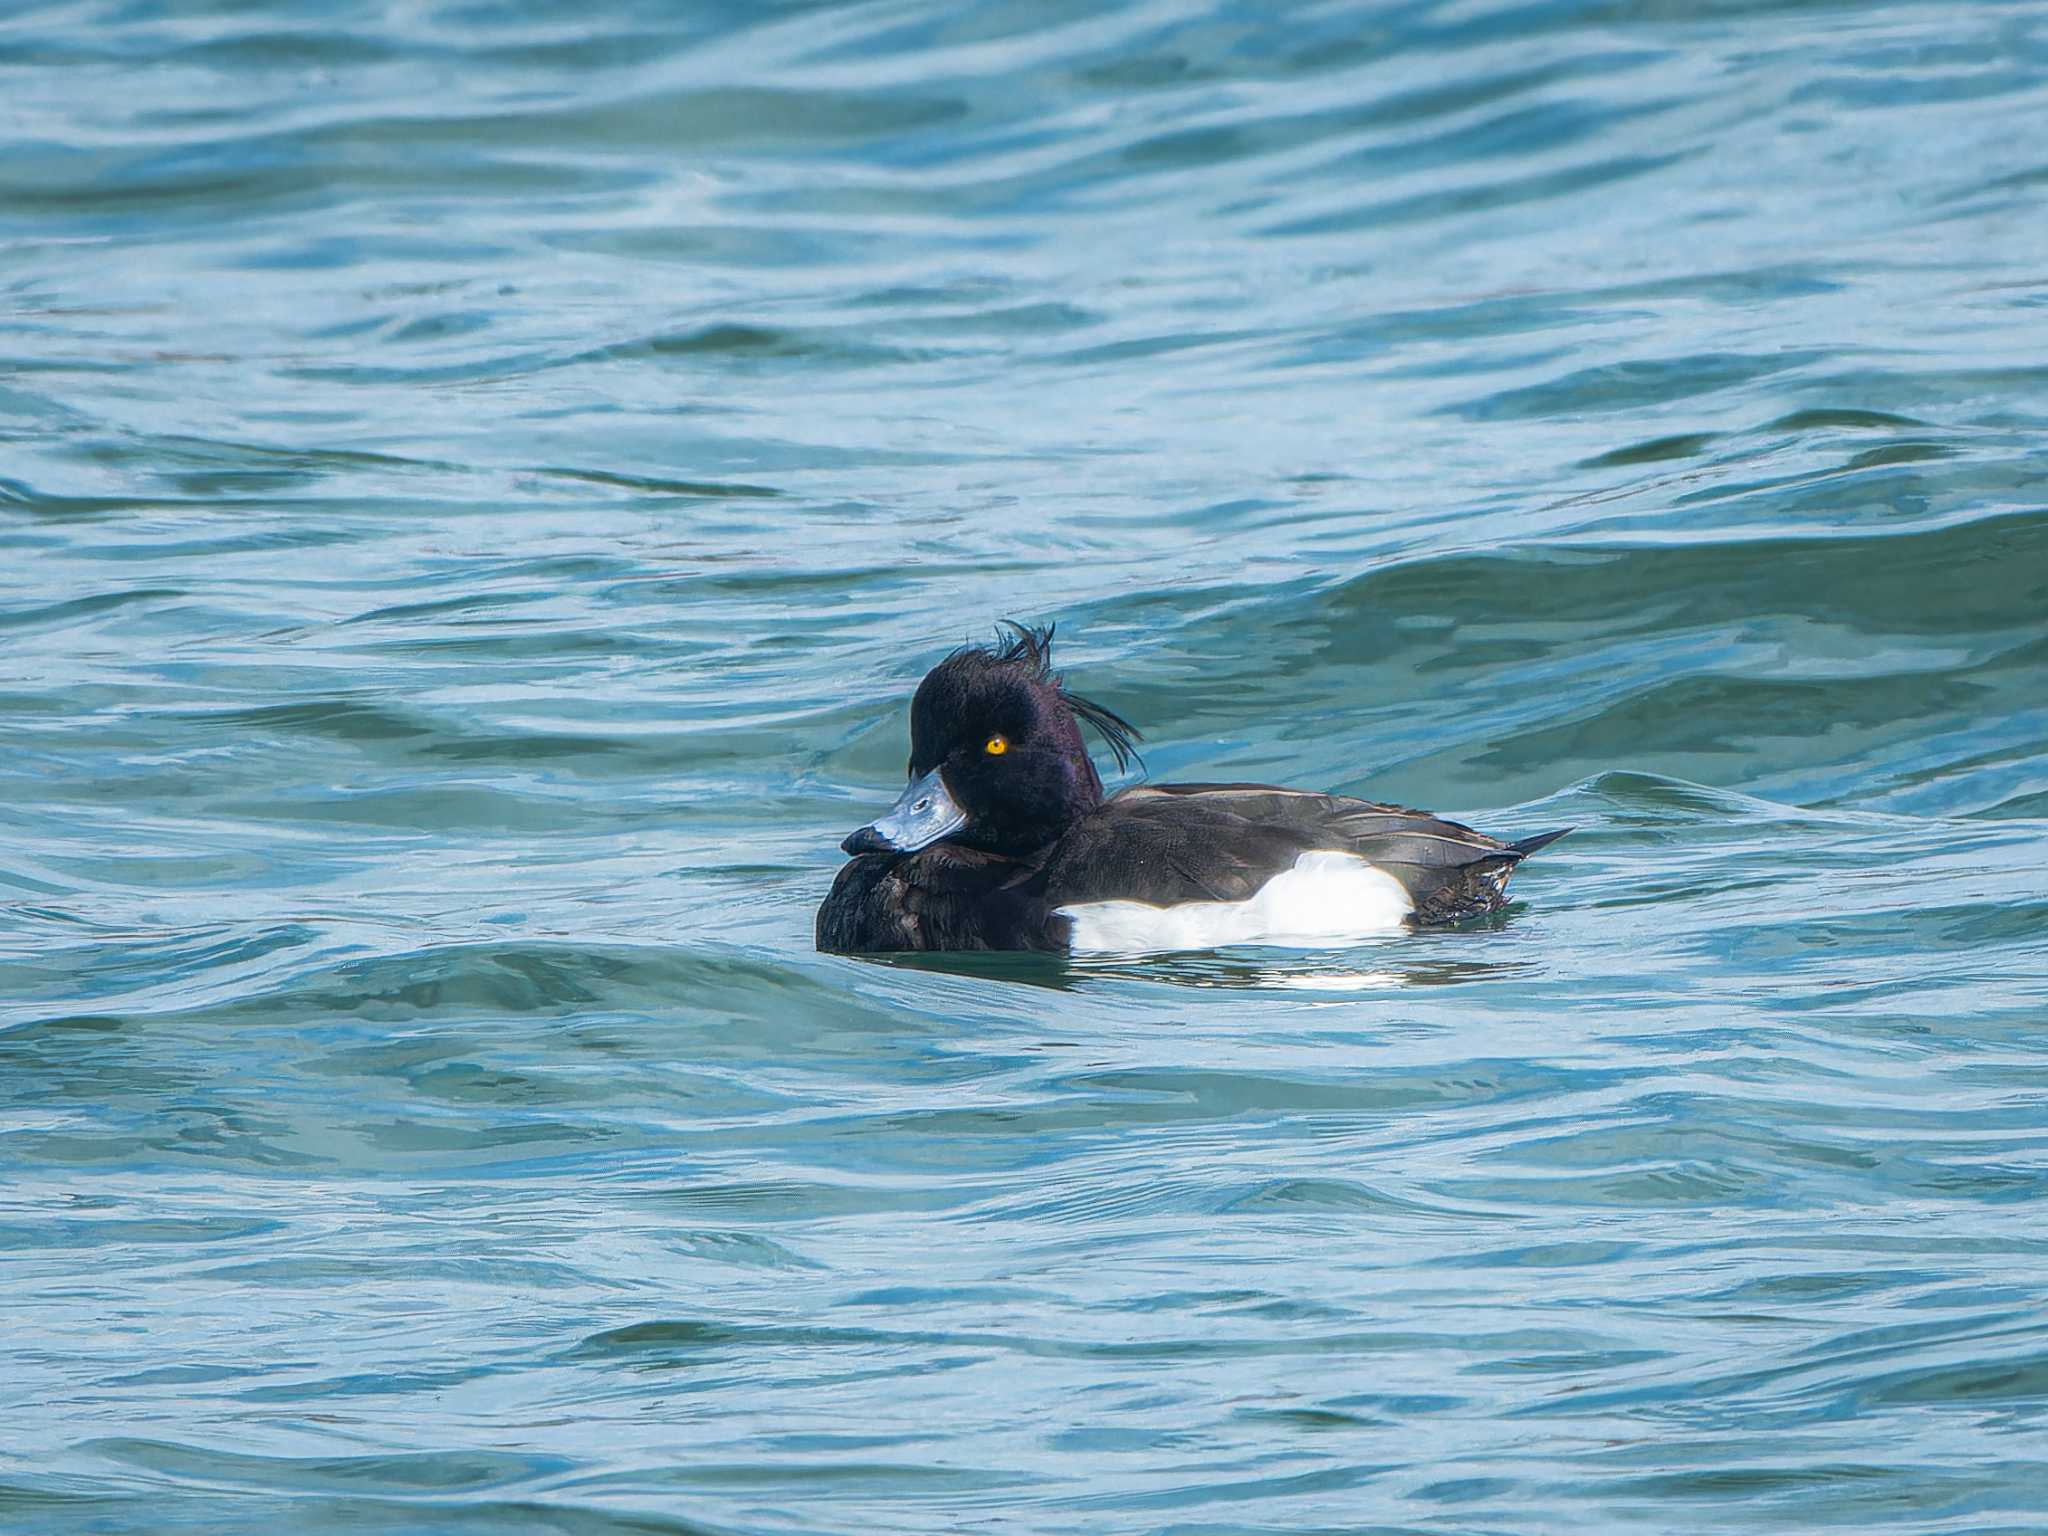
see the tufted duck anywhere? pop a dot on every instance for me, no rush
(1004, 840)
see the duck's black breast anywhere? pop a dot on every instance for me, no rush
(942, 898)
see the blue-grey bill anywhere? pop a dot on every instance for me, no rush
(922, 815)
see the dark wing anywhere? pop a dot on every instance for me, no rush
(1166, 848)
(1165, 843)
(943, 898)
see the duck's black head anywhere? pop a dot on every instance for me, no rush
(996, 756)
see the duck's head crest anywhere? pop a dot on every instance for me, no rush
(997, 760)
(1030, 646)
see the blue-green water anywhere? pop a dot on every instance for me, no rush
(477, 484)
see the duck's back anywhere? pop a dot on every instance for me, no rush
(1254, 863)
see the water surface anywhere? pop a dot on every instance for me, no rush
(477, 485)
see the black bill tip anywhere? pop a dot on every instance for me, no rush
(866, 840)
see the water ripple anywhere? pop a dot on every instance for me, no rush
(480, 485)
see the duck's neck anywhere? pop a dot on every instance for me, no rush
(1039, 815)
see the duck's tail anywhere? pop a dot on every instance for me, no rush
(1528, 845)
(1449, 894)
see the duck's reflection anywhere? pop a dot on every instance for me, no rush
(1387, 966)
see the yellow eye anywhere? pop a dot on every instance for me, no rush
(996, 746)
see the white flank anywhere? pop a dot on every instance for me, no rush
(1326, 898)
